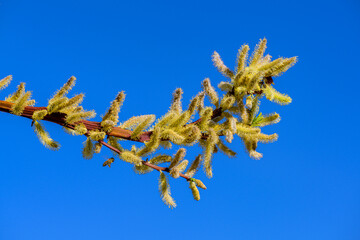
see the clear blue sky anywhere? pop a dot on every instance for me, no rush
(307, 186)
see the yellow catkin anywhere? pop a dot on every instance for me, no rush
(269, 67)
(269, 120)
(96, 135)
(80, 129)
(78, 116)
(113, 112)
(108, 162)
(181, 120)
(194, 166)
(97, 147)
(225, 149)
(208, 152)
(142, 169)
(242, 57)
(30, 102)
(107, 125)
(20, 104)
(264, 138)
(232, 124)
(172, 136)
(192, 135)
(258, 52)
(175, 171)
(44, 137)
(205, 115)
(5, 82)
(251, 146)
(193, 105)
(166, 120)
(179, 156)
(132, 122)
(274, 96)
(67, 103)
(200, 184)
(130, 157)
(194, 190)
(210, 92)
(219, 64)
(153, 144)
(162, 158)
(282, 67)
(227, 102)
(88, 149)
(176, 105)
(243, 129)
(142, 126)
(39, 114)
(113, 141)
(54, 105)
(225, 86)
(64, 89)
(19, 92)
(253, 82)
(164, 189)
(229, 136)
(201, 96)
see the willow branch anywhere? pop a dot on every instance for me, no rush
(59, 118)
(164, 169)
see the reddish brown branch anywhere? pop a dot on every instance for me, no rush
(59, 118)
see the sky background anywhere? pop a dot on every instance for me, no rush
(307, 186)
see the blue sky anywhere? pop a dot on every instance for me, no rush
(307, 186)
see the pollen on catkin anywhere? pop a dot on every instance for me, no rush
(44, 137)
(88, 149)
(200, 184)
(208, 152)
(161, 158)
(20, 104)
(219, 64)
(179, 156)
(78, 116)
(226, 86)
(153, 144)
(194, 190)
(176, 105)
(258, 52)
(210, 92)
(39, 114)
(242, 57)
(194, 167)
(5, 82)
(80, 129)
(64, 89)
(172, 136)
(113, 112)
(274, 96)
(113, 141)
(175, 171)
(19, 92)
(97, 147)
(149, 119)
(130, 157)
(97, 135)
(164, 189)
